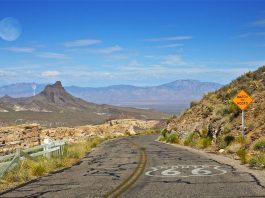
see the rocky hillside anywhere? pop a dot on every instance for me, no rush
(216, 116)
(54, 106)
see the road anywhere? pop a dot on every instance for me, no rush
(140, 167)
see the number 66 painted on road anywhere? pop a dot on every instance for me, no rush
(185, 171)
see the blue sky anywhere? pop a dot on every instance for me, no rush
(90, 43)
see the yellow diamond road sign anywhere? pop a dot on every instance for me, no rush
(242, 100)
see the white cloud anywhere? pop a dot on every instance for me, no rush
(82, 43)
(173, 59)
(169, 45)
(174, 38)
(107, 50)
(244, 35)
(163, 71)
(2, 73)
(19, 49)
(50, 74)
(52, 55)
(259, 23)
(84, 73)
(149, 56)
(118, 57)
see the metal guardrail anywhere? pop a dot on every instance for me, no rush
(8, 162)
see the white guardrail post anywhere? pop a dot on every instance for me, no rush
(8, 162)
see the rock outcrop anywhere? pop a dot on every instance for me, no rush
(25, 136)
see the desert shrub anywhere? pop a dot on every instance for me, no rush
(234, 110)
(57, 162)
(222, 110)
(251, 126)
(242, 154)
(74, 151)
(259, 145)
(164, 132)
(241, 140)
(257, 161)
(221, 144)
(227, 128)
(204, 132)
(224, 141)
(172, 138)
(191, 139)
(161, 138)
(233, 92)
(206, 112)
(204, 142)
(256, 111)
(229, 139)
(163, 135)
(38, 169)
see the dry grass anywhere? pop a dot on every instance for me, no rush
(28, 169)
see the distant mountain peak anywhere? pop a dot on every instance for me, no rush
(58, 84)
(6, 98)
(54, 87)
(55, 91)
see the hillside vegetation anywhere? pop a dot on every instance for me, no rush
(215, 121)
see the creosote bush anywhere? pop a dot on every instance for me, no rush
(204, 142)
(172, 138)
(224, 141)
(198, 139)
(259, 145)
(242, 154)
(189, 140)
(163, 134)
(257, 161)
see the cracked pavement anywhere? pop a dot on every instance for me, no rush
(170, 172)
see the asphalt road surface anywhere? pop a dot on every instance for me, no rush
(140, 167)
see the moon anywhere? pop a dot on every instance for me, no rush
(10, 29)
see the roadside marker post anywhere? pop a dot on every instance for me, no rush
(242, 100)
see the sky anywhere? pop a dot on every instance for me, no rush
(143, 43)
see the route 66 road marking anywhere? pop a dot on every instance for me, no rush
(186, 171)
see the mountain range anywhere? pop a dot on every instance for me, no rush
(54, 106)
(170, 97)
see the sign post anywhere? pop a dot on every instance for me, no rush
(242, 100)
